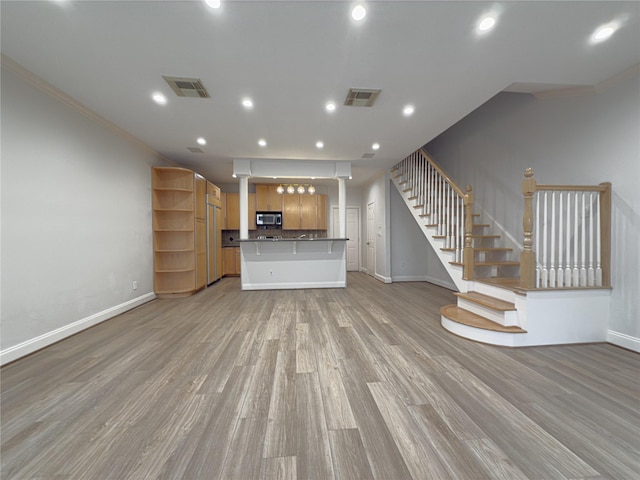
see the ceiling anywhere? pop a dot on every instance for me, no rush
(291, 57)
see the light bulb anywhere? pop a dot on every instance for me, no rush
(300, 189)
(358, 13)
(311, 189)
(291, 189)
(280, 189)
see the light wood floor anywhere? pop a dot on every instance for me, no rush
(353, 383)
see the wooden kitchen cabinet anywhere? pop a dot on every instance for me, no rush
(233, 211)
(201, 200)
(231, 261)
(304, 212)
(322, 212)
(268, 199)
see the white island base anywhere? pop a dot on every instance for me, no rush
(293, 263)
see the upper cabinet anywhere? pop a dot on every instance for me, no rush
(304, 212)
(268, 199)
(201, 192)
(233, 211)
(322, 212)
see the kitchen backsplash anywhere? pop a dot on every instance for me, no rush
(229, 237)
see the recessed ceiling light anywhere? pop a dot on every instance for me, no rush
(375, 146)
(262, 142)
(408, 110)
(201, 141)
(319, 144)
(213, 3)
(247, 103)
(358, 13)
(604, 32)
(486, 23)
(159, 98)
(330, 106)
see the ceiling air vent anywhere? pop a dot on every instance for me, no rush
(195, 150)
(360, 97)
(368, 155)
(187, 87)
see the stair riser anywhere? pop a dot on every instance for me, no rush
(494, 291)
(506, 319)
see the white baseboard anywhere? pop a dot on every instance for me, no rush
(623, 340)
(425, 278)
(293, 285)
(442, 283)
(383, 279)
(409, 278)
(25, 348)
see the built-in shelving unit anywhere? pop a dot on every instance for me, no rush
(177, 231)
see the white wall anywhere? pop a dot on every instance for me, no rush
(76, 219)
(412, 257)
(569, 140)
(377, 191)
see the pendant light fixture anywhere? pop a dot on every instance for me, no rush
(292, 188)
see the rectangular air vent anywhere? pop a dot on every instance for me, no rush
(360, 97)
(368, 155)
(187, 87)
(195, 150)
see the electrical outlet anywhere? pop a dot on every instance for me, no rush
(135, 284)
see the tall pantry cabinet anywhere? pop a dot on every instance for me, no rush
(179, 231)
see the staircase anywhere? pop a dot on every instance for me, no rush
(492, 306)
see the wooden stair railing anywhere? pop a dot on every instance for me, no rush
(573, 221)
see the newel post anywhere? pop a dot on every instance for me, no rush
(528, 256)
(467, 273)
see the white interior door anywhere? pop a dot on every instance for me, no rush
(353, 234)
(371, 239)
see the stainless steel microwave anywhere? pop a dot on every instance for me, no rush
(269, 219)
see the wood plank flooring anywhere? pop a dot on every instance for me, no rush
(355, 383)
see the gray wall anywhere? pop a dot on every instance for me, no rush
(412, 258)
(585, 139)
(76, 218)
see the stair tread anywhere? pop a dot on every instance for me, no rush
(465, 317)
(485, 236)
(487, 301)
(492, 249)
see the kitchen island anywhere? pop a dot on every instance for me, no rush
(293, 263)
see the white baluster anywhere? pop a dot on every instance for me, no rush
(537, 233)
(576, 270)
(447, 216)
(552, 269)
(545, 272)
(583, 248)
(591, 271)
(598, 251)
(560, 279)
(567, 269)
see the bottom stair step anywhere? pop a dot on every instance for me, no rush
(465, 317)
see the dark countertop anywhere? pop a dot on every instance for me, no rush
(305, 239)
